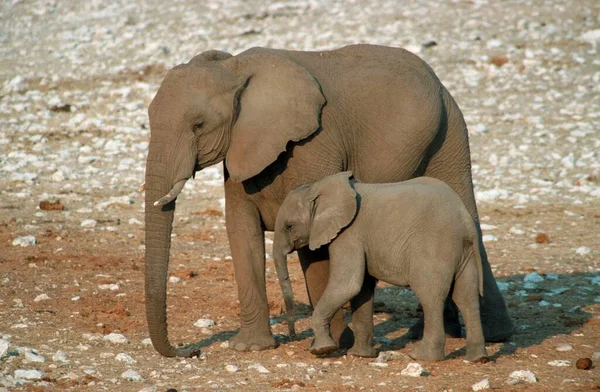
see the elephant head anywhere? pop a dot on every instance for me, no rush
(313, 215)
(242, 109)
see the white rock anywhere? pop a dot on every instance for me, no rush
(133, 221)
(24, 241)
(147, 342)
(564, 347)
(88, 223)
(123, 357)
(487, 227)
(492, 194)
(519, 376)
(4, 346)
(58, 176)
(22, 374)
(568, 162)
(583, 250)
(258, 367)
(59, 356)
(592, 36)
(385, 356)
(551, 277)
(31, 356)
(480, 128)
(560, 363)
(108, 286)
(533, 277)
(414, 369)
(544, 303)
(153, 388)
(131, 375)
(378, 364)
(174, 279)
(481, 385)
(595, 356)
(595, 280)
(115, 338)
(204, 323)
(232, 368)
(41, 297)
(489, 238)
(516, 230)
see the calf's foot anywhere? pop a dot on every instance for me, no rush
(322, 345)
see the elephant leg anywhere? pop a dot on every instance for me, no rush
(246, 239)
(362, 319)
(345, 282)
(450, 162)
(431, 287)
(466, 297)
(315, 265)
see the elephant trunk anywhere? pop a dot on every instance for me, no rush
(280, 252)
(159, 225)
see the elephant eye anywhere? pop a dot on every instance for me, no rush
(288, 226)
(198, 126)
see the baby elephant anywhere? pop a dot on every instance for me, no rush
(416, 233)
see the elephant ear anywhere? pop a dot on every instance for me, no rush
(333, 209)
(281, 102)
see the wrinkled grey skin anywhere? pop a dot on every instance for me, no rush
(279, 119)
(416, 233)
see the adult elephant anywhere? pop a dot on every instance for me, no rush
(280, 119)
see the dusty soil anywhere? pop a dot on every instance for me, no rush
(77, 78)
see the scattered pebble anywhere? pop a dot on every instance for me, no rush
(204, 323)
(519, 376)
(385, 356)
(31, 356)
(88, 223)
(560, 363)
(115, 338)
(542, 238)
(583, 250)
(583, 364)
(232, 368)
(489, 237)
(22, 374)
(481, 385)
(4, 346)
(414, 369)
(109, 286)
(123, 357)
(174, 279)
(533, 277)
(59, 356)
(131, 375)
(25, 241)
(258, 367)
(41, 297)
(564, 347)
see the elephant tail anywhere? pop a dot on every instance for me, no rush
(473, 240)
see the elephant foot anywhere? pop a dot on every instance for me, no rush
(452, 329)
(322, 346)
(497, 329)
(341, 333)
(363, 351)
(427, 353)
(247, 340)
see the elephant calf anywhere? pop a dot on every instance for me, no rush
(416, 233)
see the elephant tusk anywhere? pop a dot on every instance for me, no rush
(173, 193)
